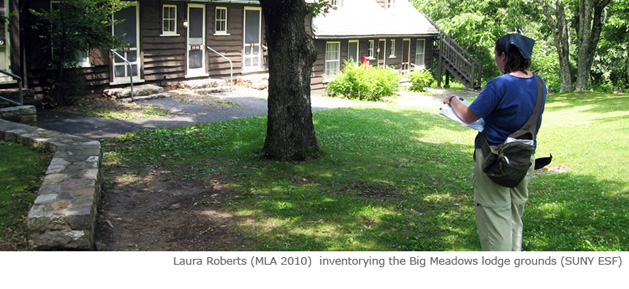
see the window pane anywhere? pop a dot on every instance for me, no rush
(196, 59)
(127, 29)
(420, 46)
(195, 28)
(252, 26)
(120, 71)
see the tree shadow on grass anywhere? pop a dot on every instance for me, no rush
(386, 181)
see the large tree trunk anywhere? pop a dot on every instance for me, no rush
(588, 31)
(290, 130)
(561, 41)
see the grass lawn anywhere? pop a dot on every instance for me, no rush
(21, 170)
(397, 177)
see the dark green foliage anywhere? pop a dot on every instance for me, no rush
(364, 82)
(70, 29)
(420, 79)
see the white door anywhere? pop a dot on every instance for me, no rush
(252, 39)
(129, 34)
(196, 40)
(4, 44)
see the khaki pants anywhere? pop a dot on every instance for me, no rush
(499, 209)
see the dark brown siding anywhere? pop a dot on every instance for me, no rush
(163, 57)
(318, 73)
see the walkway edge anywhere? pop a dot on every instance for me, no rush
(63, 216)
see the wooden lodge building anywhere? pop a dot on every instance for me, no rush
(175, 40)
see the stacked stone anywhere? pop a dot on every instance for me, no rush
(26, 114)
(63, 215)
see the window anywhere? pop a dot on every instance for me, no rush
(419, 53)
(332, 59)
(390, 4)
(336, 3)
(169, 20)
(352, 51)
(392, 49)
(221, 20)
(371, 48)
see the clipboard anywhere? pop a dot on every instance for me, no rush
(447, 111)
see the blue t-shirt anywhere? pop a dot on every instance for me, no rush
(506, 103)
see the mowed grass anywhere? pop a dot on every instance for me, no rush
(398, 177)
(21, 171)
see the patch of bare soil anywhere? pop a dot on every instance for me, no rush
(190, 96)
(160, 209)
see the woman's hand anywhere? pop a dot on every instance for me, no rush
(448, 100)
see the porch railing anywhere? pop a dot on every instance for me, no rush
(19, 84)
(231, 68)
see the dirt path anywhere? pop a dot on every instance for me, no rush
(160, 209)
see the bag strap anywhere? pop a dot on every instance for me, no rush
(530, 125)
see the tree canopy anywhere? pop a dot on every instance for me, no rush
(568, 47)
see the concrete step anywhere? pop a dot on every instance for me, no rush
(138, 90)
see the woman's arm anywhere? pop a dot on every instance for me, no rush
(461, 110)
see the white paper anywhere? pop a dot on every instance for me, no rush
(447, 111)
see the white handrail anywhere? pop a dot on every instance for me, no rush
(231, 68)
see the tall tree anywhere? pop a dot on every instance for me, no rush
(556, 18)
(290, 129)
(589, 29)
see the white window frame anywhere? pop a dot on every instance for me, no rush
(372, 48)
(420, 57)
(218, 20)
(390, 4)
(392, 49)
(332, 65)
(173, 20)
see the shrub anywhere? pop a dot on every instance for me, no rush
(420, 79)
(364, 83)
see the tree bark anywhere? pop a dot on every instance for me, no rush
(290, 129)
(589, 31)
(561, 41)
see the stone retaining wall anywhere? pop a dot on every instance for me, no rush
(26, 114)
(63, 216)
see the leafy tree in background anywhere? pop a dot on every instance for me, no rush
(70, 28)
(477, 24)
(569, 30)
(610, 69)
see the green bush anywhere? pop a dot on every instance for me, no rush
(364, 83)
(420, 79)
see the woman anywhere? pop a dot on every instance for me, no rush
(506, 103)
